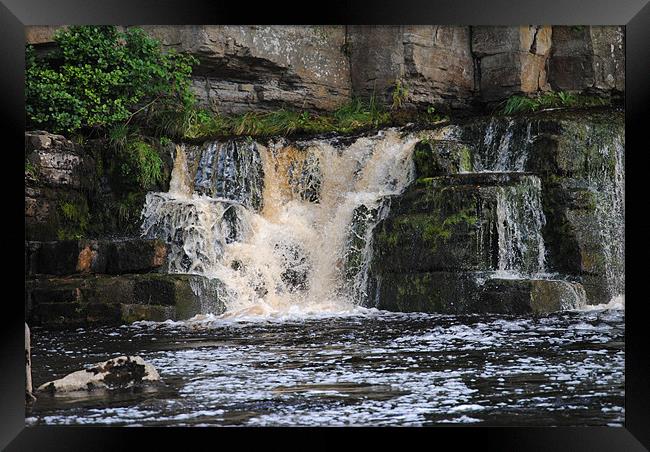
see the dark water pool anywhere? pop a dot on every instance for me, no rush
(369, 368)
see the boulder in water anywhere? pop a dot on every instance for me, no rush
(117, 373)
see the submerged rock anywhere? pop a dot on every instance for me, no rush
(116, 373)
(520, 296)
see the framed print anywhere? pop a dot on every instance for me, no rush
(403, 216)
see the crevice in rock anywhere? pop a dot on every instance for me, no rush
(533, 46)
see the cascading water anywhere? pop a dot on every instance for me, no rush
(589, 160)
(520, 219)
(284, 227)
(609, 185)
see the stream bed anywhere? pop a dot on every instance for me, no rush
(362, 367)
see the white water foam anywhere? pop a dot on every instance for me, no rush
(292, 256)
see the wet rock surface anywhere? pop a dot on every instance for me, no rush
(456, 222)
(106, 299)
(68, 257)
(567, 168)
(122, 372)
(461, 292)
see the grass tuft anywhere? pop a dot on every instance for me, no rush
(524, 104)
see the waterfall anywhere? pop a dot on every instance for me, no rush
(587, 162)
(283, 226)
(610, 209)
(520, 219)
(503, 146)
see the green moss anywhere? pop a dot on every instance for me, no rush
(432, 227)
(30, 169)
(424, 182)
(423, 159)
(465, 160)
(74, 219)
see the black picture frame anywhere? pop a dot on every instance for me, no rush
(634, 14)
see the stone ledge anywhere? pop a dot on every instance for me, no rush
(104, 299)
(471, 292)
(70, 257)
(453, 223)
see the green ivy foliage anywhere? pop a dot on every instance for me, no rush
(98, 76)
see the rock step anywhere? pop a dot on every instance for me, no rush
(103, 299)
(458, 222)
(70, 257)
(470, 292)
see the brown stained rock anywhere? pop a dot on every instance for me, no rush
(95, 256)
(512, 60)
(433, 63)
(160, 254)
(86, 257)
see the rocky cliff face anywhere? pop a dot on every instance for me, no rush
(264, 67)
(588, 58)
(433, 64)
(244, 68)
(532, 195)
(511, 60)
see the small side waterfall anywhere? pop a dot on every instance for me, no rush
(580, 160)
(284, 226)
(520, 219)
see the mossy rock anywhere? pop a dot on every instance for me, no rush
(440, 157)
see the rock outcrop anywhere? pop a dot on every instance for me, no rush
(319, 68)
(122, 372)
(432, 64)
(114, 299)
(511, 60)
(69, 257)
(55, 172)
(588, 58)
(540, 193)
(264, 67)
(74, 190)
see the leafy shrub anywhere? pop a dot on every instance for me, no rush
(98, 76)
